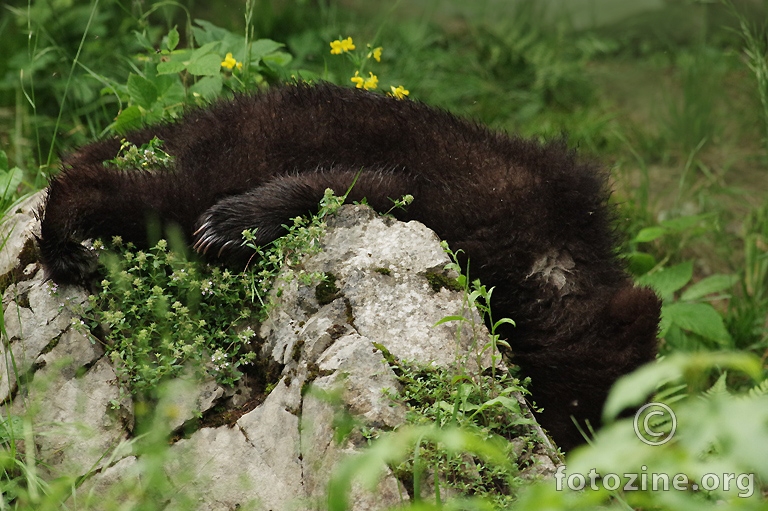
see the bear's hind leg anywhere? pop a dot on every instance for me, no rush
(265, 209)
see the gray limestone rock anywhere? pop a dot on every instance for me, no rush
(16, 231)
(280, 454)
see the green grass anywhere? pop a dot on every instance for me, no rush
(673, 97)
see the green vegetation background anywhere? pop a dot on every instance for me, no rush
(671, 95)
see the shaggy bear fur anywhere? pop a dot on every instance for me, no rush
(531, 217)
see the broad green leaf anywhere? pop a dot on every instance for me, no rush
(668, 280)
(277, 59)
(207, 32)
(650, 234)
(209, 87)
(183, 55)
(685, 222)
(10, 428)
(170, 67)
(633, 389)
(699, 318)
(709, 285)
(665, 323)
(3, 160)
(640, 263)
(262, 47)
(164, 83)
(141, 91)
(682, 340)
(10, 181)
(212, 47)
(173, 95)
(173, 39)
(207, 65)
(144, 41)
(149, 71)
(128, 119)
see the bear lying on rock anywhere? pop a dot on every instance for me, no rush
(532, 218)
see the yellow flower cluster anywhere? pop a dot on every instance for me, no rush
(229, 62)
(399, 92)
(375, 53)
(340, 46)
(365, 83)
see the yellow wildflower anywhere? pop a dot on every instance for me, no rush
(371, 83)
(358, 80)
(375, 53)
(399, 92)
(340, 46)
(365, 83)
(229, 62)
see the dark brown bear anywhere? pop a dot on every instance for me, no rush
(533, 220)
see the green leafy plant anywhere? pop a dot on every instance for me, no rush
(486, 408)
(148, 156)
(10, 179)
(465, 442)
(476, 297)
(360, 59)
(163, 313)
(688, 321)
(302, 239)
(619, 471)
(394, 448)
(173, 77)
